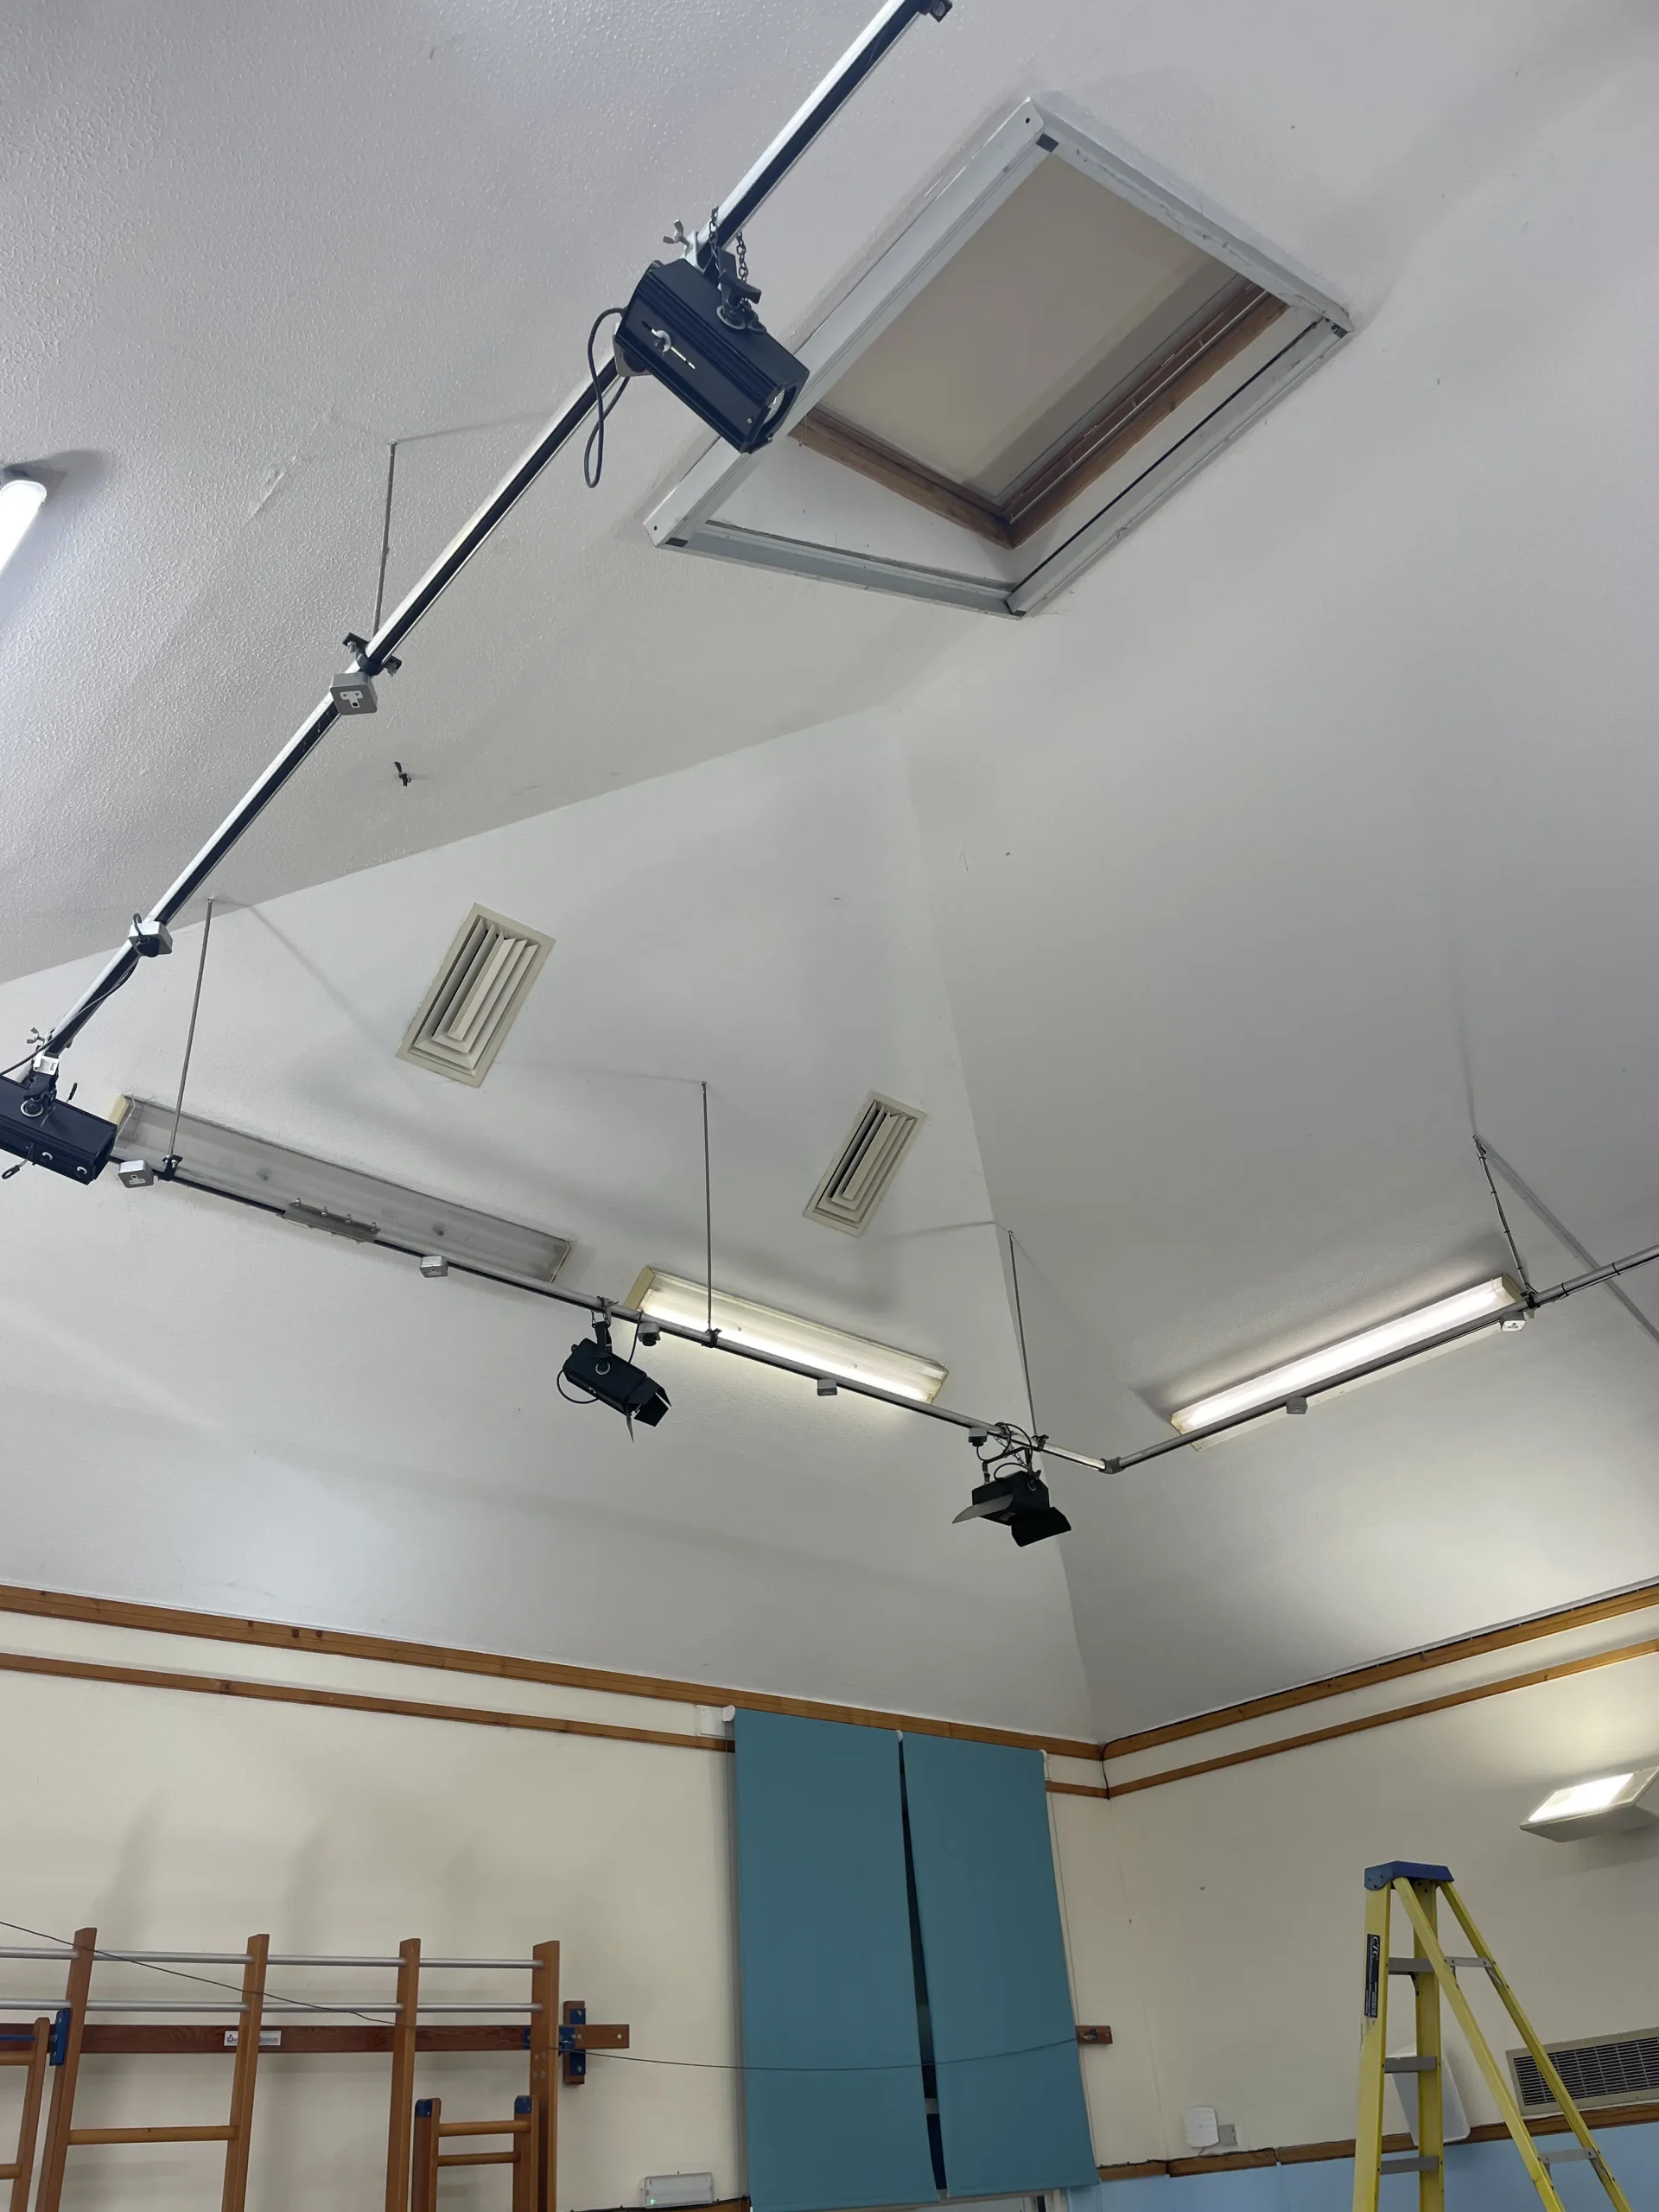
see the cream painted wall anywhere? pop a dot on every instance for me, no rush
(1218, 1920)
(1213, 1923)
(189, 1822)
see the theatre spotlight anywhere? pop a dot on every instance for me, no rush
(1015, 1493)
(594, 1369)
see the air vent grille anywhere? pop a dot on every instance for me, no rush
(866, 1164)
(474, 999)
(1622, 2070)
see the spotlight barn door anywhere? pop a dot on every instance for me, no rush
(996, 1975)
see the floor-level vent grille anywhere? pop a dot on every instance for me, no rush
(475, 998)
(1623, 2070)
(866, 1164)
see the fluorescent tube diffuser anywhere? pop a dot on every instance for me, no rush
(1317, 1371)
(1604, 1805)
(763, 1328)
(21, 500)
(318, 1194)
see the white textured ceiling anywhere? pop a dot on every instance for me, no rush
(1311, 824)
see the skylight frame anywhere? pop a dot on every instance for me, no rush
(707, 510)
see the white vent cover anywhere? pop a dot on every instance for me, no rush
(1613, 2070)
(462, 1021)
(866, 1164)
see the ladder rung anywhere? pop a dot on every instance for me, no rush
(1487, 1964)
(1410, 2065)
(1419, 2166)
(1564, 2158)
(1410, 1965)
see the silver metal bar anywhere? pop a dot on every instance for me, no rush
(1642, 1259)
(320, 1958)
(730, 218)
(809, 118)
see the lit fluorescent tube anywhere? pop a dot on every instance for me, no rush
(1317, 1370)
(763, 1328)
(20, 498)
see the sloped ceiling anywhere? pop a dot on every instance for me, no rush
(1310, 831)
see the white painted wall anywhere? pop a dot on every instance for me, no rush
(205, 1408)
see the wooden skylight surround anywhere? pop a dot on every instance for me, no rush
(1240, 313)
(1048, 345)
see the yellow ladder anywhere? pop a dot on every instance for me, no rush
(1419, 1890)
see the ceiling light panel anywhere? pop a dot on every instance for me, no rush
(320, 1194)
(1328, 1368)
(788, 1336)
(475, 997)
(21, 499)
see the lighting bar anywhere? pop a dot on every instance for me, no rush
(21, 499)
(1451, 1318)
(739, 1321)
(320, 1194)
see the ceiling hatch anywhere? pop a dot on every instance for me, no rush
(1051, 345)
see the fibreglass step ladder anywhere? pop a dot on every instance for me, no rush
(1419, 1890)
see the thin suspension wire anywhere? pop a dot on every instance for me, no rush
(190, 1034)
(1503, 1219)
(707, 1217)
(385, 536)
(1020, 1327)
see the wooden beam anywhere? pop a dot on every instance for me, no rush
(149, 2134)
(165, 2039)
(423, 2156)
(1588, 1613)
(86, 1670)
(401, 2120)
(543, 2140)
(61, 2117)
(221, 1628)
(1563, 1672)
(21, 2174)
(838, 440)
(244, 2073)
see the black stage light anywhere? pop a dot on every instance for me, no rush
(695, 330)
(1020, 1503)
(595, 1367)
(38, 1126)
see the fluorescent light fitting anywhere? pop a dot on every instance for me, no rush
(1604, 1804)
(786, 1336)
(1317, 1370)
(21, 499)
(342, 1201)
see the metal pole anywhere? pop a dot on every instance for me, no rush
(797, 134)
(729, 217)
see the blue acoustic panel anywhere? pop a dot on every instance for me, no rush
(1011, 2106)
(831, 2046)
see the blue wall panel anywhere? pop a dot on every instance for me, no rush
(996, 1974)
(1479, 2177)
(831, 2050)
